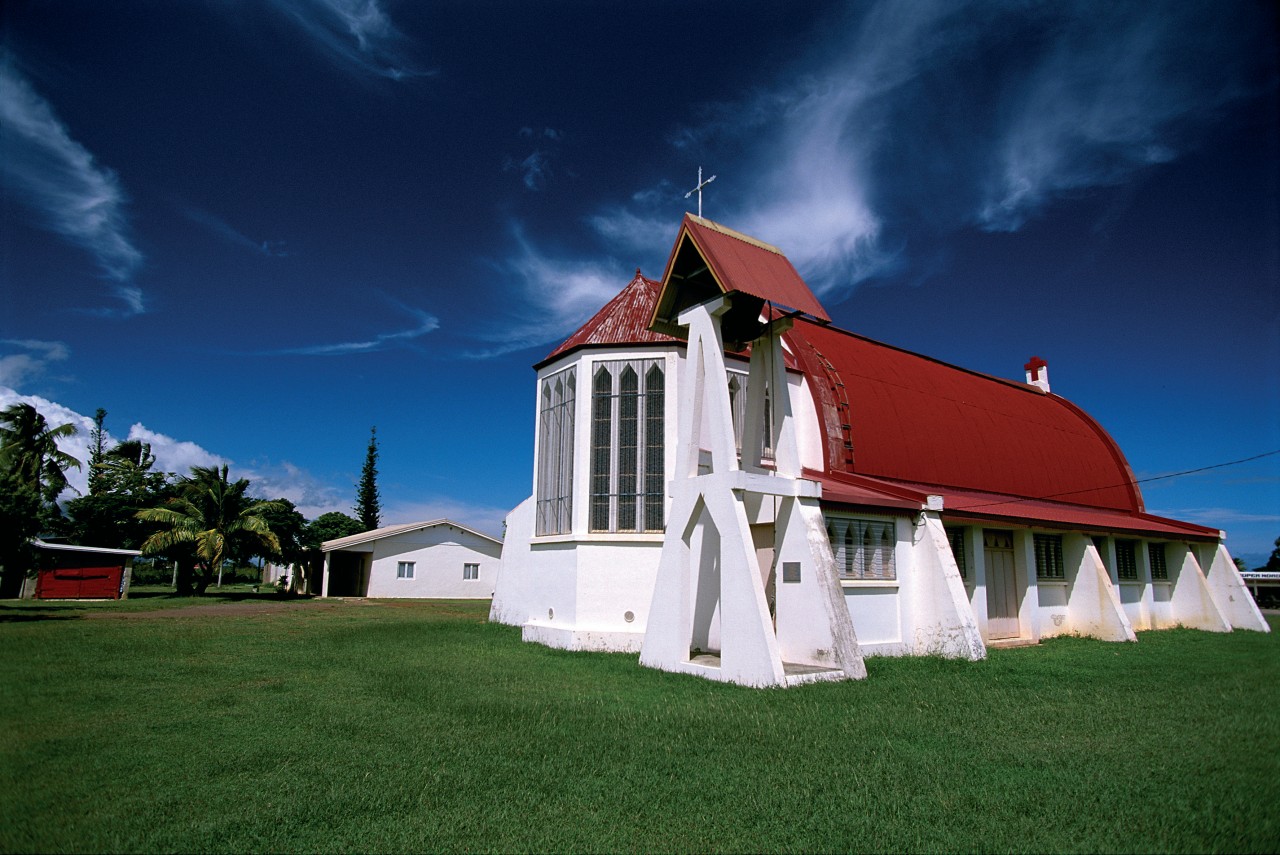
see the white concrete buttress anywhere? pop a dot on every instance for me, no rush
(735, 533)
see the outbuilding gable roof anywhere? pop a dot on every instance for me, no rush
(393, 530)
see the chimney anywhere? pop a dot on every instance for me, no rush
(1038, 373)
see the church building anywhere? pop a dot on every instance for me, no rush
(730, 485)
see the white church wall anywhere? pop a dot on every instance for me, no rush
(809, 432)
(1051, 616)
(1135, 599)
(1161, 605)
(515, 582)
(876, 611)
(1030, 606)
(615, 585)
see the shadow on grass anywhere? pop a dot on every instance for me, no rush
(10, 614)
(20, 611)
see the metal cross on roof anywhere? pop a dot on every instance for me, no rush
(698, 190)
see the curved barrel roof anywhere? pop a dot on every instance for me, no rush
(890, 413)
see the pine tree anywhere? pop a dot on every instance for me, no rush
(96, 439)
(368, 503)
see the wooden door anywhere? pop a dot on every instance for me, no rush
(1002, 586)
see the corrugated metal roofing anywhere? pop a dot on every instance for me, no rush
(392, 530)
(915, 419)
(622, 320)
(742, 263)
(977, 505)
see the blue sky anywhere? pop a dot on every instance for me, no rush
(251, 230)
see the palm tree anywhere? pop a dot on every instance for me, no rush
(211, 517)
(29, 450)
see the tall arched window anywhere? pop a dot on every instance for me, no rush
(627, 446)
(555, 453)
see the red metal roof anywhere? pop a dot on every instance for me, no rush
(975, 505)
(622, 320)
(889, 413)
(742, 263)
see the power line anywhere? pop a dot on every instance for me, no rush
(1126, 483)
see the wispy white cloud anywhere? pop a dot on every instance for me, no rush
(426, 323)
(930, 117)
(553, 295)
(61, 182)
(224, 230)
(910, 121)
(535, 168)
(357, 34)
(32, 362)
(644, 224)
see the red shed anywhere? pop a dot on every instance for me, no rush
(82, 572)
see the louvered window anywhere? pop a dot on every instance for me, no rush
(1127, 560)
(627, 446)
(1159, 570)
(863, 549)
(955, 536)
(1049, 557)
(555, 453)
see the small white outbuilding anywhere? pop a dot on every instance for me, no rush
(440, 559)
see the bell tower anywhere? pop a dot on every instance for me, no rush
(746, 589)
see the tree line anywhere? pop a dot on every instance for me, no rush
(200, 521)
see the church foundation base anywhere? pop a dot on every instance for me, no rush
(576, 638)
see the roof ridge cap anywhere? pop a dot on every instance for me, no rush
(734, 233)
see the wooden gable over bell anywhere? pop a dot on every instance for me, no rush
(708, 260)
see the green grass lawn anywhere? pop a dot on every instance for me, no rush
(411, 726)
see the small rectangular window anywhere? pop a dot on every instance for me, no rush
(1049, 557)
(470, 571)
(1127, 560)
(955, 536)
(404, 570)
(1159, 570)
